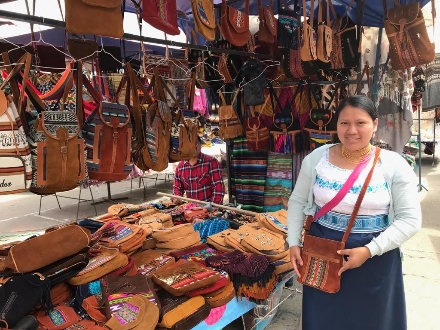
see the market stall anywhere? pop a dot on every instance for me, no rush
(260, 97)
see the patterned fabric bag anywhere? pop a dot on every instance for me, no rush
(288, 21)
(15, 153)
(256, 133)
(107, 132)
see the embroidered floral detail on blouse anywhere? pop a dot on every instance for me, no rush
(353, 190)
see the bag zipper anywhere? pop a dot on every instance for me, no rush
(8, 305)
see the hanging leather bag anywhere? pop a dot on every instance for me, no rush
(257, 134)
(321, 262)
(324, 36)
(204, 18)
(345, 42)
(100, 17)
(230, 125)
(234, 24)
(107, 131)
(409, 41)
(161, 14)
(268, 26)
(308, 35)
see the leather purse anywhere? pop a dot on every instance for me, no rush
(185, 276)
(178, 309)
(117, 291)
(230, 125)
(82, 49)
(38, 252)
(268, 25)
(324, 42)
(409, 41)
(162, 15)
(204, 18)
(60, 317)
(308, 36)
(99, 17)
(274, 221)
(234, 24)
(195, 213)
(257, 134)
(321, 262)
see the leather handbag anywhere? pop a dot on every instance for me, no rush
(162, 15)
(38, 252)
(19, 293)
(409, 41)
(268, 25)
(257, 134)
(234, 24)
(99, 17)
(82, 49)
(204, 18)
(119, 290)
(345, 42)
(185, 276)
(195, 213)
(308, 36)
(324, 42)
(149, 261)
(321, 262)
(178, 309)
(230, 124)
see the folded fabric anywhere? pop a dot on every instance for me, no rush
(210, 227)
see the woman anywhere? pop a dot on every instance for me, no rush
(372, 294)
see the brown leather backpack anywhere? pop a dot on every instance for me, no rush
(234, 24)
(409, 41)
(230, 125)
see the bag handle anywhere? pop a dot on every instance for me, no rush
(312, 9)
(365, 71)
(361, 197)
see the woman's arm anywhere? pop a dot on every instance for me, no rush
(407, 211)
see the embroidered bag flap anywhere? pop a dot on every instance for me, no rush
(269, 19)
(60, 317)
(239, 20)
(118, 290)
(404, 14)
(123, 233)
(106, 254)
(204, 12)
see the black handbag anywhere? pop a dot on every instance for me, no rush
(19, 293)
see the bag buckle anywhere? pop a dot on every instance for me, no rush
(63, 149)
(115, 135)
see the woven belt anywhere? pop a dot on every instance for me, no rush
(363, 223)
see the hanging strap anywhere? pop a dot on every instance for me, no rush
(312, 11)
(365, 71)
(224, 100)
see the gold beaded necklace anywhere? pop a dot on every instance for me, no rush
(356, 156)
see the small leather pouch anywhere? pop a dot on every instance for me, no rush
(177, 309)
(183, 277)
(165, 219)
(168, 234)
(119, 290)
(82, 49)
(217, 286)
(274, 221)
(263, 241)
(149, 261)
(135, 313)
(195, 213)
(223, 297)
(192, 320)
(103, 269)
(218, 241)
(59, 318)
(180, 242)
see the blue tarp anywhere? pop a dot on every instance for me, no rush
(373, 15)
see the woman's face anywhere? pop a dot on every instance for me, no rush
(355, 127)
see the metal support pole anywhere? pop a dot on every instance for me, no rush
(419, 141)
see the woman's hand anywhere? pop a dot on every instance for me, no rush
(295, 258)
(353, 258)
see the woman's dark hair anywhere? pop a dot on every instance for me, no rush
(361, 102)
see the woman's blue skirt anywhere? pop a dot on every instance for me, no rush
(371, 297)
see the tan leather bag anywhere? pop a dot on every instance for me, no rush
(409, 41)
(268, 26)
(45, 249)
(204, 18)
(230, 124)
(100, 17)
(308, 41)
(324, 42)
(234, 24)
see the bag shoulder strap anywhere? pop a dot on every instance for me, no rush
(361, 197)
